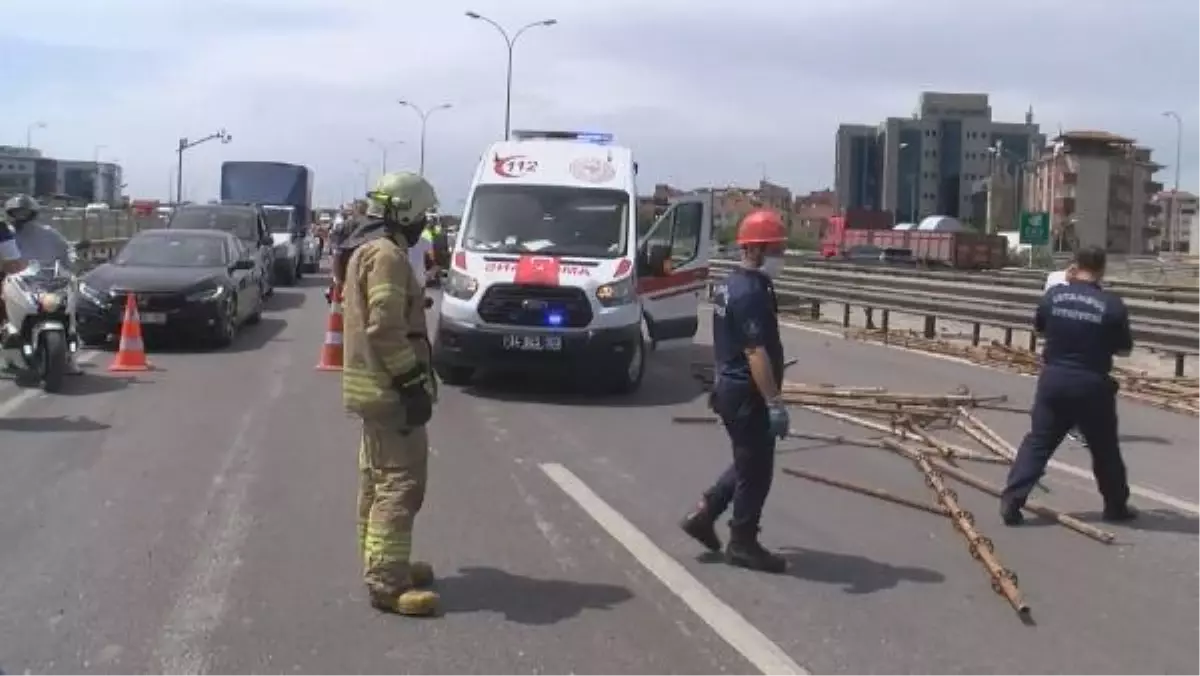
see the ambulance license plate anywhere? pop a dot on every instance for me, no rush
(533, 343)
(153, 317)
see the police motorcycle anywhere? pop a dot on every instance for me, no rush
(40, 302)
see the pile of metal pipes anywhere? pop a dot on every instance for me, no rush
(904, 424)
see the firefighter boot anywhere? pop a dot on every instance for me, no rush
(410, 602)
(701, 526)
(744, 550)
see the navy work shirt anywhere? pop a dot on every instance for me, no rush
(1083, 326)
(744, 317)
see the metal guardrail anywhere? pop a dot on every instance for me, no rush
(1022, 279)
(808, 297)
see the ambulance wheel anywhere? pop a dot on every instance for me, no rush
(628, 378)
(454, 375)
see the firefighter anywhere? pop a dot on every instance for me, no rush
(387, 382)
(748, 374)
(1084, 327)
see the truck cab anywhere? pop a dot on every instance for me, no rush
(548, 271)
(296, 251)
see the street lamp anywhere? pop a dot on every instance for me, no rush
(913, 179)
(1172, 222)
(366, 175)
(510, 41)
(29, 132)
(184, 144)
(424, 119)
(383, 150)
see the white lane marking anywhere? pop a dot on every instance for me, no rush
(1141, 491)
(742, 636)
(13, 403)
(223, 526)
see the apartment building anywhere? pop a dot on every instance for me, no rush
(27, 170)
(1175, 226)
(931, 162)
(1099, 190)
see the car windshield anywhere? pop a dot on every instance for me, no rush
(279, 220)
(173, 251)
(239, 222)
(550, 220)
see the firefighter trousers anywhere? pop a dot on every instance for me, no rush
(393, 467)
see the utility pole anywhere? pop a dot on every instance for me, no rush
(1173, 220)
(185, 144)
(510, 42)
(424, 115)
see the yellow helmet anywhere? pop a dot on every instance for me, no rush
(404, 196)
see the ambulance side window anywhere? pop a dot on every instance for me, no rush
(685, 233)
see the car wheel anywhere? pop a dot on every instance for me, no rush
(287, 278)
(628, 378)
(257, 316)
(227, 331)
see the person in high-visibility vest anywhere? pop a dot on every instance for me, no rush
(388, 382)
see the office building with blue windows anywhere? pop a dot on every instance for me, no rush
(932, 162)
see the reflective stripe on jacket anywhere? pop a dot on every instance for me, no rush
(385, 334)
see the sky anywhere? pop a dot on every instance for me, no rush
(706, 92)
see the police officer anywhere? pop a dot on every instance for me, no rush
(1084, 326)
(748, 374)
(387, 381)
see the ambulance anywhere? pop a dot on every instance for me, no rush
(549, 272)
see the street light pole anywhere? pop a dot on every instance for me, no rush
(510, 42)
(29, 132)
(912, 207)
(383, 151)
(366, 175)
(424, 115)
(1172, 222)
(184, 144)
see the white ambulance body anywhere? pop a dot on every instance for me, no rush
(549, 273)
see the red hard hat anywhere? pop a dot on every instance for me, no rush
(761, 226)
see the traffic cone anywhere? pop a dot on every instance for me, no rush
(131, 352)
(331, 351)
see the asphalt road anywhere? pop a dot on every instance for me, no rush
(200, 518)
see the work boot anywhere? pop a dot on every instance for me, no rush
(410, 602)
(701, 526)
(1119, 514)
(1011, 514)
(420, 574)
(745, 551)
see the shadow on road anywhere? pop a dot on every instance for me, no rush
(53, 424)
(1149, 520)
(855, 574)
(288, 298)
(1143, 439)
(668, 381)
(525, 600)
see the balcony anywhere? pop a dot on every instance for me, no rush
(1153, 187)
(1068, 178)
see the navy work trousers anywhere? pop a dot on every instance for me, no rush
(747, 481)
(1063, 400)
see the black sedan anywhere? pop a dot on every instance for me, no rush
(190, 283)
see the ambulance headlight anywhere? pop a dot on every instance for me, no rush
(620, 292)
(460, 285)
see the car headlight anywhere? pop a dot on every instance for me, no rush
(93, 294)
(50, 302)
(207, 295)
(620, 292)
(460, 285)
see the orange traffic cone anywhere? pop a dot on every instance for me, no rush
(331, 351)
(131, 353)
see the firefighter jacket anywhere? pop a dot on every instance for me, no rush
(385, 335)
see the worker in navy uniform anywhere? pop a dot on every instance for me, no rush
(1083, 327)
(748, 374)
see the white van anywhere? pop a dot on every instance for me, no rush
(548, 271)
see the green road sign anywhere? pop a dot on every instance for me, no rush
(1035, 228)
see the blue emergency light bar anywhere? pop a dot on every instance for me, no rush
(595, 137)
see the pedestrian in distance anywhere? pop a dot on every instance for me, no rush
(748, 374)
(387, 382)
(1084, 327)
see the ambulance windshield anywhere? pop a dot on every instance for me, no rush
(550, 220)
